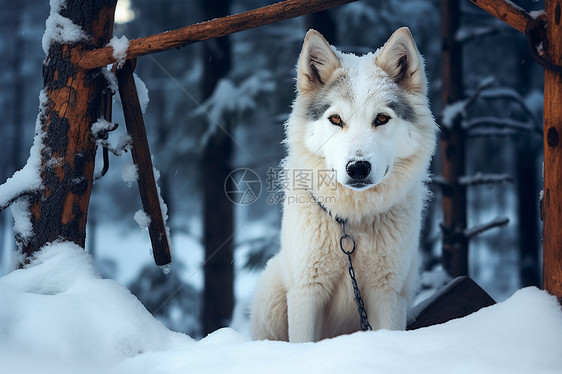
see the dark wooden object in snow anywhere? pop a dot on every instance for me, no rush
(550, 30)
(142, 159)
(459, 298)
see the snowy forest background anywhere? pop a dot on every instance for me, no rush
(253, 100)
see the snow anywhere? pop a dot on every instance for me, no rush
(61, 310)
(100, 126)
(142, 219)
(478, 229)
(452, 111)
(515, 6)
(502, 122)
(27, 179)
(111, 78)
(130, 174)
(142, 92)
(58, 315)
(465, 34)
(119, 46)
(59, 29)
(163, 206)
(481, 178)
(536, 14)
(229, 99)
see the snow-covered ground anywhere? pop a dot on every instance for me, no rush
(58, 315)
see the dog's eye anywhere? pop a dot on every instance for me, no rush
(335, 120)
(381, 119)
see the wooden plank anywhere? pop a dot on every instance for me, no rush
(459, 298)
(206, 30)
(552, 201)
(142, 158)
(505, 11)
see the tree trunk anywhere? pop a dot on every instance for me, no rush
(527, 148)
(218, 300)
(528, 202)
(68, 154)
(452, 144)
(324, 24)
(18, 89)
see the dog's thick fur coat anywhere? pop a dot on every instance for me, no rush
(338, 119)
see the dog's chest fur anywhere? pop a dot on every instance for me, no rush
(377, 258)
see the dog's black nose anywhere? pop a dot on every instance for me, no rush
(358, 169)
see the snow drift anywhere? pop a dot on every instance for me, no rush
(58, 315)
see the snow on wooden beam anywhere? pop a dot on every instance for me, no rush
(206, 30)
(505, 11)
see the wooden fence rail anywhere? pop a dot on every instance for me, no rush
(206, 30)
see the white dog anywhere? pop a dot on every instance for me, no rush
(362, 129)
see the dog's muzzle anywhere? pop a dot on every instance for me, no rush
(358, 173)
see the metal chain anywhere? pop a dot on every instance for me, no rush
(365, 325)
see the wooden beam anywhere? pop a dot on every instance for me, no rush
(505, 11)
(552, 201)
(206, 30)
(141, 157)
(459, 298)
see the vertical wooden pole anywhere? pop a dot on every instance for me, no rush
(142, 158)
(552, 201)
(455, 244)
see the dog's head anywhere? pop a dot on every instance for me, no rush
(362, 114)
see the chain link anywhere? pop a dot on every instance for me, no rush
(365, 325)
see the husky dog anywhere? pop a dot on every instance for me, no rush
(366, 122)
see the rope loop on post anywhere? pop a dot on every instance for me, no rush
(536, 37)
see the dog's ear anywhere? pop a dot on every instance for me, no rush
(317, 62)
(401, 60)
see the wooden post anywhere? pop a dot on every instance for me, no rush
(552, 201)
(73, 104)
(452, 143)
(142, 158)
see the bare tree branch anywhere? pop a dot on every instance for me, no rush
(479, 229)
(480, 178)
(466, 34)
(499, 123)
(6, 204)
(512, 95)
